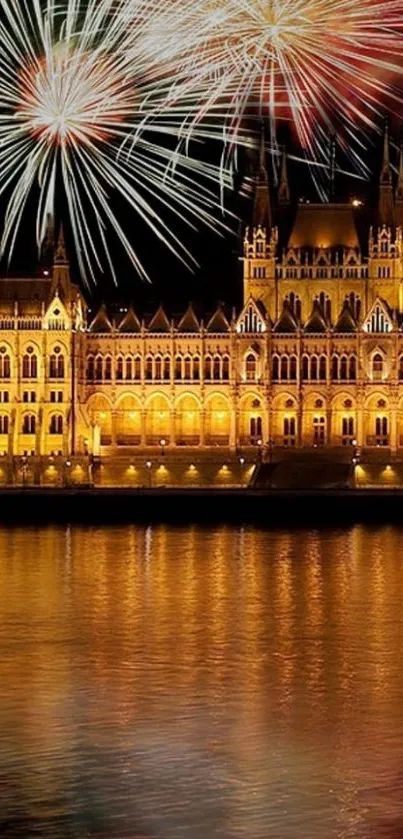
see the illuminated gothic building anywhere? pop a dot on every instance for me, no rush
(314, 359)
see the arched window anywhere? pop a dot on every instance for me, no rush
(56, 424)
(196, 367)
(158, 368)
(119, 368)
(56, 364)
(284, 368)
(322, 368)
(250, 367)
(335, 367)
(137, 368)
(98, 368)
(377, 366)
(188, 367)
(149, 367)
(4, 424)
(5, 367)
(217, 367)
(178, 367)
(208, 362)
(401, 367)
(381, 431)
(90, 368)
(295, 304)
(314, 367)
(305, 367)
(128, 369)
(29, 424)
(343, 368)
(347, 431)
(29, 364)
(353, 368)
(167, 368)
(108, 368)
(275, 368)
(225, 367)
(293, 368)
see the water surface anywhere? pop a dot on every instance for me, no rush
(189, 683)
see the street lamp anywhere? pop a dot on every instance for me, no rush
(149, 465)
(163, 443)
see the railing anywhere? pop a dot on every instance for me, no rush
(106, 439)
(378, 440)
(217, 440)
(128, 439)
(188, 440)
(155, 440)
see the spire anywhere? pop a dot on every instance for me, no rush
(386, 202)
(61, 281)
(399, 191)
(261, 206)
(284, 189)
(60, 256)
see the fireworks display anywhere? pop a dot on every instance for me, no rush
(82, 112)
(326, 66)
(104, 97)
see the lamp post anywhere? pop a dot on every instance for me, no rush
(150, 477)
(163, 443)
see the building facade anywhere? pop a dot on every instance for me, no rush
(314, 359)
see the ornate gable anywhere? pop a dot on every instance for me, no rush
(286, 322)
(189, 322)
(160, 322)
(346, 321)
(130, 322)
(316, 322)
(101, 322)
(56, 316)
(251, 318)
(218, 322)
(379, 319)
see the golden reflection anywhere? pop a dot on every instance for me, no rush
(275, 655)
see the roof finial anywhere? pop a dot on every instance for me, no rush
(284, 188)
(386, 174)
(386, 209)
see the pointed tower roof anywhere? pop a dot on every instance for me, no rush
(189, 322)
(317, 321)
(101, 322)
(130, 322)
(284, 188)
(61, 255)
(261, 205)
(386, 202)
(49, 238)
(287, 321)
(346, 321)
(160, 322)
(218, 322)
(399, 191)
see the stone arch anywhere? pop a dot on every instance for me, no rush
(158, 419)
(252, 419)
(315, 431)
(187, 420)
(377, 420)
(217, 420)
(284, 419)
(128, 420)
(99, 408)
(344, 420)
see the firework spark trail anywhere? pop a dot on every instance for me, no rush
(83, 111)
(325, 65)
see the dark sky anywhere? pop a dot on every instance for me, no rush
(219, 276)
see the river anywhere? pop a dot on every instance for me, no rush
(191, 683)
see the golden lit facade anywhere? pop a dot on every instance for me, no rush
(314, 359)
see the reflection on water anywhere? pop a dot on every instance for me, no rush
(160, 683)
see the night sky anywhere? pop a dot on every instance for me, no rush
(219, 276)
